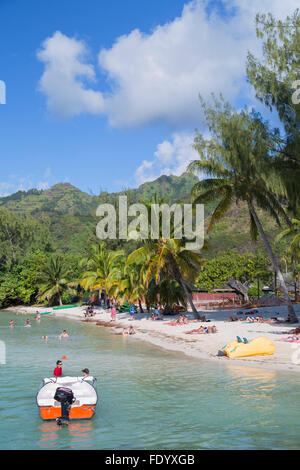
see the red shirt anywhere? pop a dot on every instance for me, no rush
(57, 372)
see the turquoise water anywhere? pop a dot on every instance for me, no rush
(149, 398)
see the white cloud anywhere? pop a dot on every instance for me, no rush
(63, 80)
(17, 183)
(42, 185)
(170, 158)
(157, 76)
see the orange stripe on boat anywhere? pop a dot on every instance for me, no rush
(77, 412)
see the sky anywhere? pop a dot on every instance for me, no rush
(104, 94)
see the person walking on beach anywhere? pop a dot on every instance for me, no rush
(58, 369)
(113, 313)
(131, 312)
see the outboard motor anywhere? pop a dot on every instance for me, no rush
(65, 397)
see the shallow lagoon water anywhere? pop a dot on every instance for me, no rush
(149, 398)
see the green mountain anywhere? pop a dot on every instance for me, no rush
(72, 212)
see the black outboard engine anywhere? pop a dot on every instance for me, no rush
(65, 397)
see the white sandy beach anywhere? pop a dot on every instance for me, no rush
(202, 346)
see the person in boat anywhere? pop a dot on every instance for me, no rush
(58, 369)
(85, 372)
(64, 334)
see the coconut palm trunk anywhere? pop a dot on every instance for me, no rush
(140, 306)
(291, 312)
(177, 275)
(190, 299)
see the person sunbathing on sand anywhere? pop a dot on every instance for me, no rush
(174, 323)
(295, 331)
(201, 329)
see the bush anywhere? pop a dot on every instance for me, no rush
(67, 298)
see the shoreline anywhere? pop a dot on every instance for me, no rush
(198, 346)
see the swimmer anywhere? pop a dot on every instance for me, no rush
(27, 324)
(64, 334)
(131, 331)
(45, 338)
(125, 332)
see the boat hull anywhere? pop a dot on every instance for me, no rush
(84, 401)
(49, 413)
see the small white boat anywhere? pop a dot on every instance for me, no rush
(79, 393)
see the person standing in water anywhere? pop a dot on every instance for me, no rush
(11, 323)
(64, 334)
(58, 369)
(113, 313)
(27, 324)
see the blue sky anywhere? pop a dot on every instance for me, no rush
(104, 94)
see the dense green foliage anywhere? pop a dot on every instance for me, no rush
(244, 267)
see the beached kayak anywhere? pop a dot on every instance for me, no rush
(67, 306)
(260, 346)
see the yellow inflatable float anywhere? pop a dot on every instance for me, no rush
(260, 346)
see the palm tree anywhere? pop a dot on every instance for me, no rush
(293, 252)
(53, 280)
(169, 258)
(168, 292)
(128, 284)
(101, 268)
(236, 160)
(294, 232)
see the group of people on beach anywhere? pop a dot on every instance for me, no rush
(258, 319)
